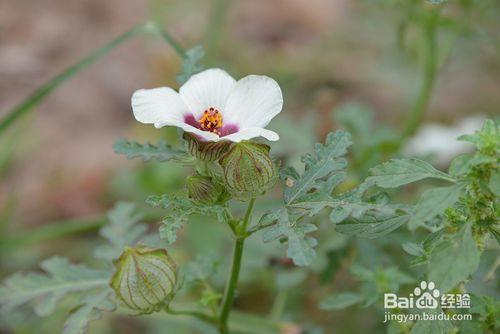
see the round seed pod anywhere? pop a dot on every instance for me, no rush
(248, 169)
(144, 279)
(206, 150)
(202, 189)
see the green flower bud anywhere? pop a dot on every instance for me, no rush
(144, 279)
(203, 189)
(206, 150)
(248, 169)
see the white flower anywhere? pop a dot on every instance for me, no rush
(213, 106)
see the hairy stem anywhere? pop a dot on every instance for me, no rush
(43, 91)
(232, 282)
(430, 63)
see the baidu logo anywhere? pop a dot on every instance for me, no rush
(426, 296)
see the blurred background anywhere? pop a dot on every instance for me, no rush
(331, 58)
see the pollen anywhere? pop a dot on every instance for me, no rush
(211, 120)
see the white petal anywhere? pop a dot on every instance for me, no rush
(254, 101)
(158, 105)
(206, 89)
(249, 133)
(209, 136)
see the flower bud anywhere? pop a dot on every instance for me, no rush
(206, 150)
(144, 279)
(248, 169)
(202, 189)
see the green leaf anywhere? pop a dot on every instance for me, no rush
(340, 301)
(432, 327)
(179, 211)
(325, 160)
(161, 152)
(201, 269)
(413, 249)
(46, 290)
(122, 230)
(494, 183)
(487, 140)
(191, 63)
(300, 245)
(90, 310)
(373, 224)
(454, 259)
(464, 163)
(398, 172)
(433, 202)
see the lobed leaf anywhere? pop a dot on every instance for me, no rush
(160, 152)
(191, 63)
(300, 246)
(434, 202)
(179, 211)
(46, 290)
(398, 172)
(327, 159)
(454, 259)
(122, 230)
(90, 310)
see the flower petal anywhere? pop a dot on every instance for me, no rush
(249, 133)
(254, 101)
(158, 105)
(206, 89)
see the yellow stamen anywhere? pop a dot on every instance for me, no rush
(211, 120)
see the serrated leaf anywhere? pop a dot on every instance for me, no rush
(160, 152)
(432, 327)
(326, 159)
(191, 63)
(398, 172)
(433, 202)
(200, 270)
(373, 224)
(179, 211)
(300, 246)
(46, 290)
(90, 310)
(454, 259)
(122, 230)
(413, 249)
(340, 301)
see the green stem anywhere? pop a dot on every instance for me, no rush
(196, 314)
(43, 91)
(213, 32)
(235, 270)
(429, 76)
(278, 306)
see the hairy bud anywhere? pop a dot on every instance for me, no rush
(144, 279)
(203, 189)
(248, 169)
(205, 150)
